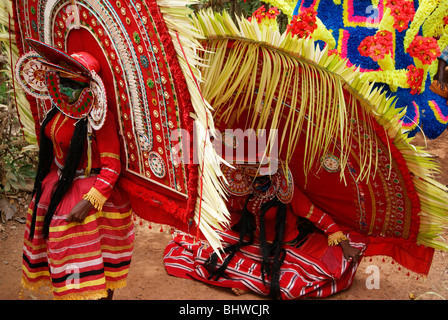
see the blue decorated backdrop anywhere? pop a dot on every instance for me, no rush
(352, 21)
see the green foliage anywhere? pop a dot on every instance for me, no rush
(234, 7)
(249, 7)
(17, 172)
(3, 92)
(17, 162)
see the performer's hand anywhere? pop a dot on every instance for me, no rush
(349, 251)
(443, 85)
(79, 211)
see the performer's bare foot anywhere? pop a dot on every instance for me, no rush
(239, 292)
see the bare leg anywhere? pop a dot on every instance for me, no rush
(110, 295)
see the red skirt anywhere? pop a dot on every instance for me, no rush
(79, 260)
(312, 270)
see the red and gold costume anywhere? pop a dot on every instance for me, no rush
(300, 206)
(82, 260)
(78, 260)
(315, 267)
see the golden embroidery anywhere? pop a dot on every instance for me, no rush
(310, 213)
(95, 198)
(110, 155)
(53, 133)
(336, 238)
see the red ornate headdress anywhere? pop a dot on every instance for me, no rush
(39, 72)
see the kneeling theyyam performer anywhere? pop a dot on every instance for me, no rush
(79, 232)
(271, 249)
(346, 166)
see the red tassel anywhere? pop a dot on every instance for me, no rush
(408, 274)
(399, 268)
(392, 262)
(384, 260)
(149, 226)
(161, 229)
(370, 260)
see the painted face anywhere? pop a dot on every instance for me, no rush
(262, 183)
(71, 97)
(72, 89)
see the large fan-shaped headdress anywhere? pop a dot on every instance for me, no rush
(40, 73)
(341, 137)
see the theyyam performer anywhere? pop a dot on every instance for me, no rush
(79, 230)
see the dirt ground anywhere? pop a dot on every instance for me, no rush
(148, 279)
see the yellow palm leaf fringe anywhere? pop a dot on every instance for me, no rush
(214, 213)
(12, 54)
(231, 75)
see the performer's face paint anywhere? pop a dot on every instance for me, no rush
(72, 89)
(262, 183)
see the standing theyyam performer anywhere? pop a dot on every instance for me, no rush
(79, 232)
(147, 54)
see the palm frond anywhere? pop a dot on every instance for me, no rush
(211, 212)
(234, 74)
(12, 53)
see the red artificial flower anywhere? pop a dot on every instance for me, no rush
(376, 46)
(424, 49)
(377, 52)
(273, 13)
(261, 13)
(445, 20)
(401, 25)
(414, 78)
(365, 45)
(384, 38)
(303, 24)
(402, 11)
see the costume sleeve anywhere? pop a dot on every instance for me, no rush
(444, 54)
(303, 207)
(109, 152)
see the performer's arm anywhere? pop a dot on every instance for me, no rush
(303, 207)
(109, 150)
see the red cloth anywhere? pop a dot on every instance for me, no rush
(106, 156)
(300, 206)
(313, 270)
(87, 60)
